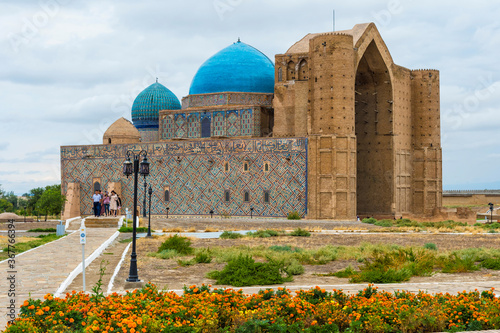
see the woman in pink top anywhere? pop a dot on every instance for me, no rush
(106, 200)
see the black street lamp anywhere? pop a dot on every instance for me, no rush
(150, 191)
(251, 212)
(144, 200)
(135, 168)
(211, 213)
(491, 212)
(168, 208)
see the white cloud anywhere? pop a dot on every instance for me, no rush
(72, 75)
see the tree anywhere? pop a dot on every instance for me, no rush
(33, 197)
(5, 206)
(51, 201)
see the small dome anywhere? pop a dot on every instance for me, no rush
(237, 68)
(9, 216)
(121, 131)
(146, 105)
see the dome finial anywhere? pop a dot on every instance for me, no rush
(156, 80)
(239, 41)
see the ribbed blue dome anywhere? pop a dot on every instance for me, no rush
(237, 68)
(146, 105)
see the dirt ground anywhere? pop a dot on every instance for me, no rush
(168, 274)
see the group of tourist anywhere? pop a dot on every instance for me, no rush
(107, 204)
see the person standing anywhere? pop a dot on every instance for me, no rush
(106, 201)
(113, 203)
(99, 206)
(96, 198)
(119, 201)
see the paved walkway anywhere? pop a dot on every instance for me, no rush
(42, 270)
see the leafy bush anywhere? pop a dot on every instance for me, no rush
(293, 215)
(230, 235)
(263, 233)
(395, 266)
(456, 263)
(294, 268)
(384, 223)
(491, 263)
(165, 254)
(180, 244)
(369, 220)
(203, 257)
(244, 271)
(300, 233)
(284, 248)
(430, 246)
(346, 273)
(131, 229)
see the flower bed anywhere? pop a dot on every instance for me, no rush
(202, 309)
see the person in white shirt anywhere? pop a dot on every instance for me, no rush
(96, 198)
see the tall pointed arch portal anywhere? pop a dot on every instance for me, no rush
(374, 133)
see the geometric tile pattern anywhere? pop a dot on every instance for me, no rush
(195, 175)
(219, 124)
(167, 127)
(193, 126)
(195, 101)
(246, 122)
(180, 126)
(231, 123)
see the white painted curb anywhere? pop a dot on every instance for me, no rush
(89, 260)
(68, 221)
(117, 269)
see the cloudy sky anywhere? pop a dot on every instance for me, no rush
(69, 68)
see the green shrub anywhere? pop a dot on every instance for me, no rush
(430, 246)
(131, 229)
(180, 244)
(263, 233)
(346, 273)
(284, 248)
(300, 233)
(230, 235)
(165, 254)
(244, 271)
(294, 268)
(293, 215)
(395, 266)
(384, 223)
(456, 263)
(370, 220)
(491, 263)
(203, 257)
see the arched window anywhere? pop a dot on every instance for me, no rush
(205, 127)
(280, 74)
(109, 140)
(303, 70)
(167, 195)
(246, 196)
(266, 196)
(290, 71)
(227, 196)
(97, 186)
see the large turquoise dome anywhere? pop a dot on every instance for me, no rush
(146, 105)
(237, 68)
